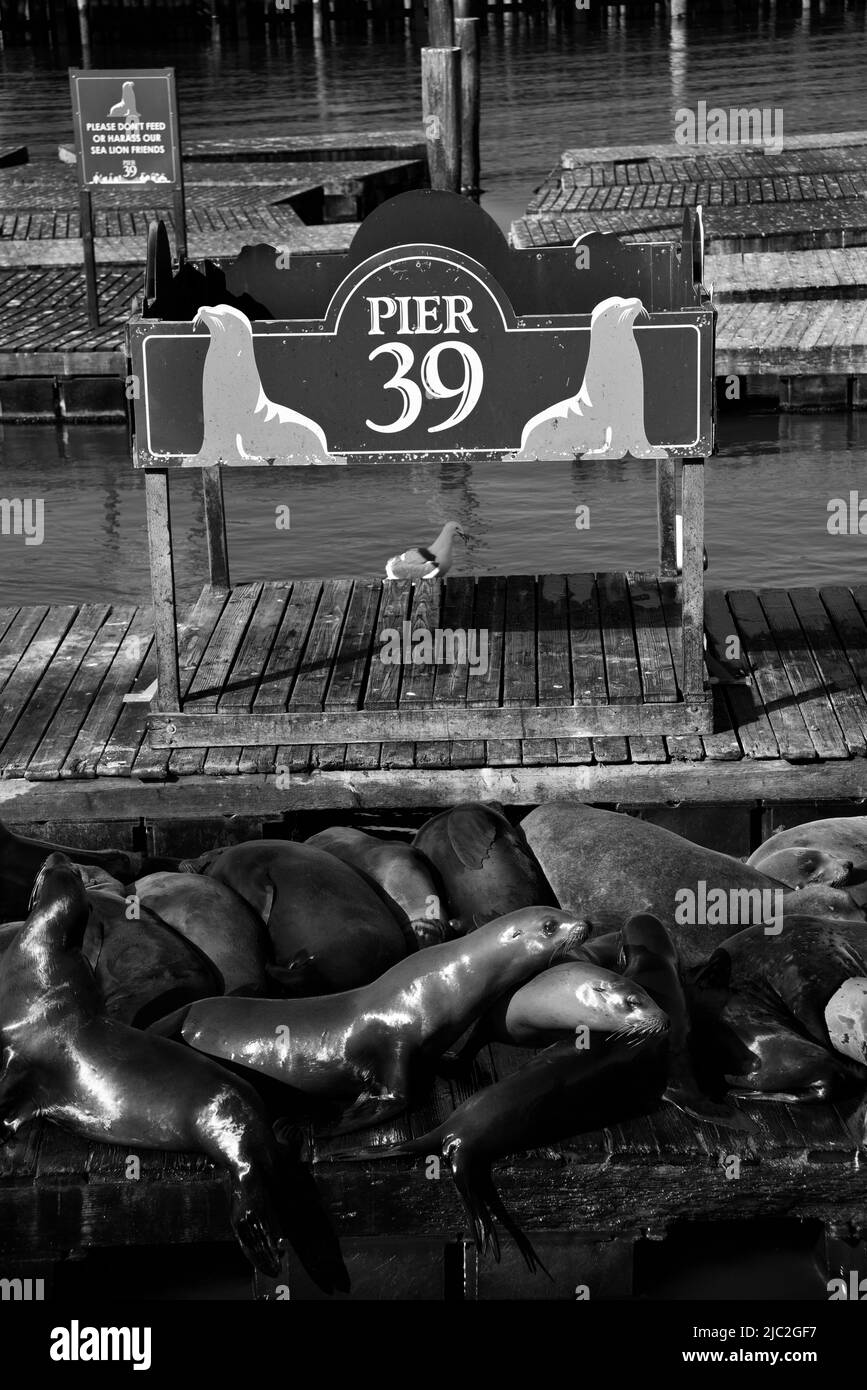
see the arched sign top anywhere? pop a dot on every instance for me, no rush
(420, 350)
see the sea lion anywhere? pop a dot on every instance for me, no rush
(21, 858)
(833, 844)
(400, 871)
(329, 929)
(563, 1091)
(798, 865)
(605, 418)
(759, 1009)
(368, 1047)
(606, 866)
(215, 919)
(143, 968)
(560, 1003)
(484, 862)
(63, 1061)
(241, 425)
(126, 109)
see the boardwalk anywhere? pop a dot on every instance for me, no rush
(783, 231)
(70, 747)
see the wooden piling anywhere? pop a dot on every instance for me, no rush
(467, 39)
(440, 23)
(441, 109)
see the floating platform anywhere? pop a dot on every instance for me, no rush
(72, 749)
(783, 231)
(585, 1203)
(301, 194)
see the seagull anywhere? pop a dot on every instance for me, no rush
(426, 561)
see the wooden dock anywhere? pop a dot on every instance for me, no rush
(783, 231)
(301, 194)
(72, 749)
(585, 1203)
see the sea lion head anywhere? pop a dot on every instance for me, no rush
(544, 931)
(821, 900)
(616, 313)
(222, 318)
(611, 1003)
(57, 878)
(798, 865)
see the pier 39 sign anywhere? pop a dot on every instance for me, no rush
(431, 338)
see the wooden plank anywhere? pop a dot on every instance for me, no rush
(850, 627)
(31, 667)
(17, 637)
(490, 614)
(317, 660)
(90, 742)
(248, 667)
(746, 713)
(458, 599)
(574, 750)
(128, 748)
(553, 659)
(417, 686)
(647, 749)
(384, 678)
(439, 722)
(770, 680)
(80, 696)
(280, 671)
(123, 798)
(618, 639)
(210, 677)
(589, 686)
(658, 677)
(355, 647)
(814, 699)
(519, 641)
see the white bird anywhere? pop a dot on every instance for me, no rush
(426, 561)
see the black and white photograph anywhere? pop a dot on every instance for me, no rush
(433, 670)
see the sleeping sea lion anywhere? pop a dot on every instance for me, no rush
(215, 919)
(798, 865)
(400, 871)
(484, 862)
(563, 1091)
(367, 1048)
(329, 929)
(605, 866)
(62, 1060)
(836, 846)
(759, 1009)
(142, 967)
(21, 858)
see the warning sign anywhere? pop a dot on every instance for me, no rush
(126, 126)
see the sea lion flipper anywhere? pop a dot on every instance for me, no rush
(701, 1107)
(471, 834)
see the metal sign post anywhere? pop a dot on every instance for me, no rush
(126, 135)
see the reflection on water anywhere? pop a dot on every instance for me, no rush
(767, 511)
(608, 77)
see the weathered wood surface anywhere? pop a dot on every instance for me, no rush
(786, 232)
(60, 1195)
(312, 648)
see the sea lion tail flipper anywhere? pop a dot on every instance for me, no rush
(307, 1226)
(256, 1233)
(483, 1202)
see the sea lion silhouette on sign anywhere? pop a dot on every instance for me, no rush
(126, 107)
(241, 424)
(605, 419)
